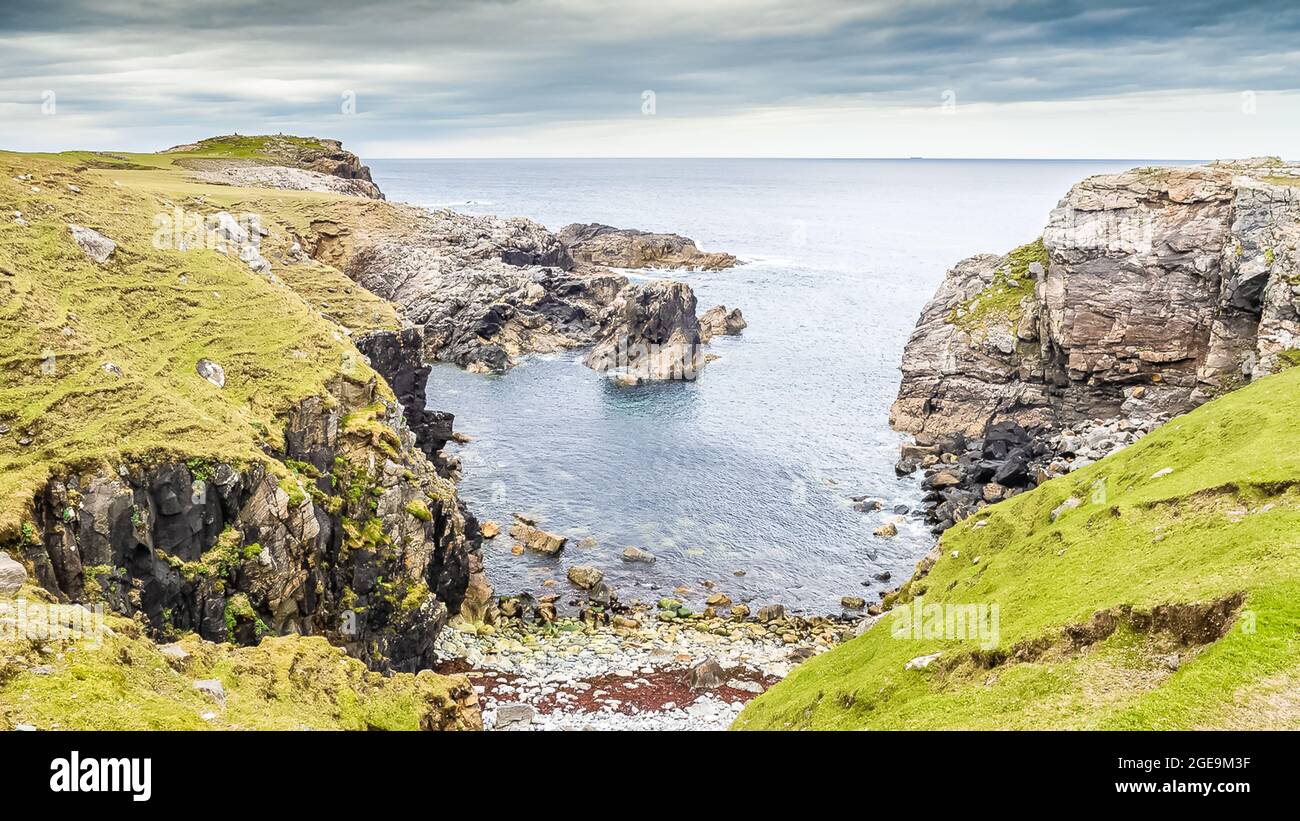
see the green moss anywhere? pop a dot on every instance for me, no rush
(420, 511)
(122, 682)
(1223, 520)
(1002, 302)
(292, 486)
(1289, 358)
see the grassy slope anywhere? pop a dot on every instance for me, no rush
(1225, 520)
(119, 680)
(153, 313)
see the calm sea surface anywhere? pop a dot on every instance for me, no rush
(750, 468)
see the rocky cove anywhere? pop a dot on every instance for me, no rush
(327, 505)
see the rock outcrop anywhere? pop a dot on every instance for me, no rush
(298, 163)
(362, 542)
(717, 321)
(628, 248)
(487, 291)
(1149, 293)
(653, 335)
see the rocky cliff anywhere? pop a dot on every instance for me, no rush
(486, 290)
(198, 431)
(278, 161)
(1149, 293)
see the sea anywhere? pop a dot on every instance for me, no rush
(742, 481)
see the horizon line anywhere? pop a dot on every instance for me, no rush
(369, 157)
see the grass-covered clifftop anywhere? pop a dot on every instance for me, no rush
(1167, 598)
(97, 361)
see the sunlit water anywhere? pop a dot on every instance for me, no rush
(751, 467)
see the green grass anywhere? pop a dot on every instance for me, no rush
(123, 682)
(1225, 521)
(154, 313)
(1002, 302)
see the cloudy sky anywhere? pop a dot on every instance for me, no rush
(532, 78)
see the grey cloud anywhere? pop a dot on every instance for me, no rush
(455, 66)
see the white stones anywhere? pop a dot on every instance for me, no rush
(212, 688)
(212, 372)
(112, 370)
(1163, 472)
(92, 243)
(921, 662)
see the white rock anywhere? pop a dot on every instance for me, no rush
(92, 243)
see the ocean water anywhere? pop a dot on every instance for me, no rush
(750, 468)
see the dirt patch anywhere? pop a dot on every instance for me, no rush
(662, 689)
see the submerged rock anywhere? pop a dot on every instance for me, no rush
(538, 540)
(585, 576)
(636, 554)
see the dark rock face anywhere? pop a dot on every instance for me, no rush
(366, 546)
(398, 356)
(653, 334)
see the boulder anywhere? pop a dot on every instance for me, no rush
(538, 540)
(718, 322)
(636, 554)
(515, 716)
(489, 530)
(12, 575)
(707, 675)
(212, 372)
(585, 576)
(92, 243)
(212, 688)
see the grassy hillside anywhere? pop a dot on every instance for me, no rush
(153, 313)
(114, 678)
(1169, 597)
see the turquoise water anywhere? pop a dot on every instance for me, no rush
(749, 468)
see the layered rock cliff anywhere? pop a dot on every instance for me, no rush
(1149, 293)
(278, 161)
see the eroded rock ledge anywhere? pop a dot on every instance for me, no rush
(628, 248)
(1149, 293)
(289, 163)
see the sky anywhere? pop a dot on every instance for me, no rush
(1198, 79)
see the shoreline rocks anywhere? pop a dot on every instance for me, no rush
(628, 248)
